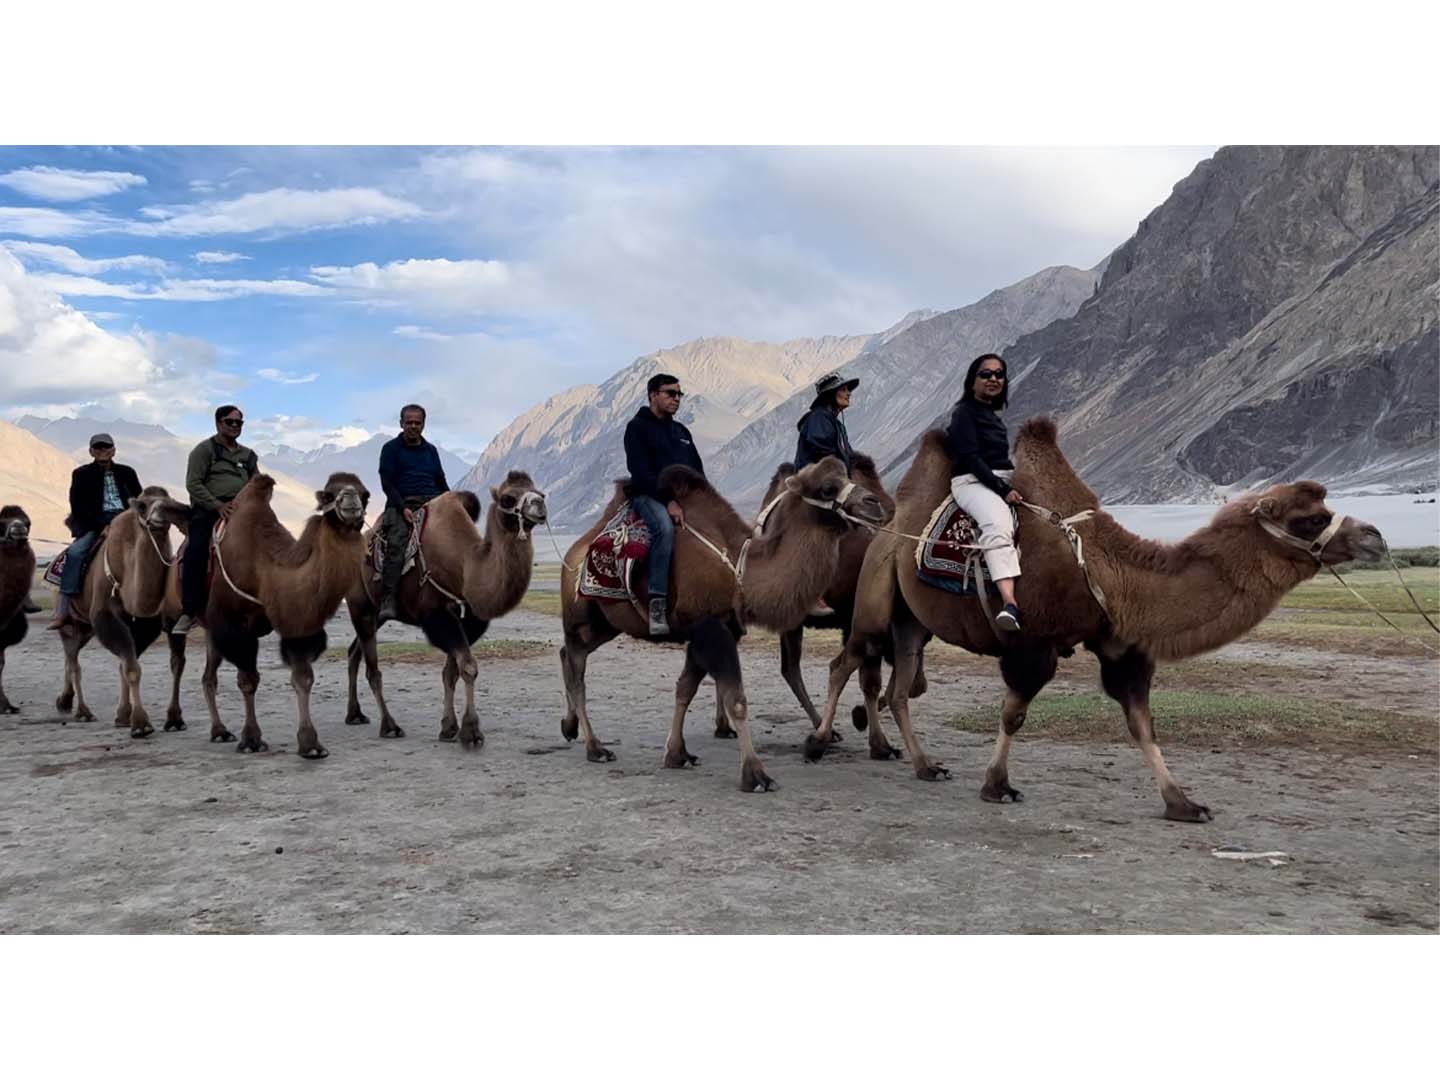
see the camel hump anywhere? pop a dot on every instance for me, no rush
(155, 491)
(683, 480)
(13, 511)
(862, 462)
(1041, 429)
(519, 476)
(470, 503)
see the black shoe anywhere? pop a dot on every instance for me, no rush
(1009, 619)
(30, 607)
(659, 626)
(183, 625)
(387, 611)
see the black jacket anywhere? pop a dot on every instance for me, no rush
(978, 443)
(87, 494)
(822, 434)
(650, 445)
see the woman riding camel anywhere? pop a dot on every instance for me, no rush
(979, 449)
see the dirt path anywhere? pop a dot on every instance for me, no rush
(175, 834)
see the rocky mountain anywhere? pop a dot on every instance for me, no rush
(313, 467)
(903, 375)
(1274, 318)
(36, 476)
(571, 443)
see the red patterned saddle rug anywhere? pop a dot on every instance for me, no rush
(623, 543)
(56, 566)
(375, 549)
(950, 558)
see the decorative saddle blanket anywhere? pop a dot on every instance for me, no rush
(950, 557)
(613, 554)
(56, 566)
(375, 550)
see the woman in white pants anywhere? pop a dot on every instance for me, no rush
(979, 448)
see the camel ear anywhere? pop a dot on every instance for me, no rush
(1267, 507)
(791, 484)
(134, 502)
(495, 494)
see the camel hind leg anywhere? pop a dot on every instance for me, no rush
(909, 638)
(1026, 667)
(11, 633)
(715, 650)
(792, 649)
(174, 715)
(573, 658)
(74, 638)
(691, 676)
(1126, 678)
(363, 646)
(116, 636)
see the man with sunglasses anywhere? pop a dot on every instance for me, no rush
(218, 468)
(99, 491)
(653, 440)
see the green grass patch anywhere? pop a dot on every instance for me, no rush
(1379, 587)
(1404, 557)
(1201, 718)
(541, 602)
(422, 652)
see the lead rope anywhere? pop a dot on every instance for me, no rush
(426, 579)
(220, 563)
(1406, 587)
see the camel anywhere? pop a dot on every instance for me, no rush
(122, 603)
(266, 579)
(490, 574)
(17, 574)
(771, 582)
(839, 594)
(1162, 602)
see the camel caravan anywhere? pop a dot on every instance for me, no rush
(670, 560)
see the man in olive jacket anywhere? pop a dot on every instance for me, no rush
(218, 468)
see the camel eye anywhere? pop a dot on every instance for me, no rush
(508, 502)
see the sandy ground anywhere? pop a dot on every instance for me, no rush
(175, 834)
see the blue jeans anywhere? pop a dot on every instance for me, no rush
(72, 577)
(662, 541)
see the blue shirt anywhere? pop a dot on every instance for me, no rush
(410, 472)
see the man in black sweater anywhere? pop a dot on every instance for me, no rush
(653, 440)
(98, 492)
(411, 475)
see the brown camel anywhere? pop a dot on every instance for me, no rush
(290, 586)
(490, 574)
(17, 574)
(779, 577)
(1162, 601)
(839, 595)
(122, 603)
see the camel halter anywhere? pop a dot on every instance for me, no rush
(1315, 547)
(145, 523)
(518, 513)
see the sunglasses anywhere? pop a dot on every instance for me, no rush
(676, 394)
(991, 374)
(231, 422)
(102, 446)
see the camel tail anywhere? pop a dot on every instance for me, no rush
(470, 502)
(1040, 428)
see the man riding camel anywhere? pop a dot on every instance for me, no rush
(822, 434)
(653, 440)
(411, 475)
(99, 491)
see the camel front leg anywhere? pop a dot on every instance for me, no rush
(573, 658)
(691, 676)
(716, 652)
(470, 734)
(75, 640)
(138, 719)
(251, 742)
(307, 739)
(1026, 668)
(449, 724)
(1127, 679)
(353, 713)
(6, 708)
(174, 716)
(867, 716)
(210, 685)
(851, 656)
(909, 637)
(792, 648)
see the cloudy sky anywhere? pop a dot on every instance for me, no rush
(323, 288)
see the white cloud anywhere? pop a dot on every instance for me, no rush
(43, 223)
(194, 289)
(288, 378)
(280, 209)
(305, 432)
(71, 260)
(456, 285)
(218, 256)
(67, 185)
(420, 333)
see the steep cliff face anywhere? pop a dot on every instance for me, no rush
(1275, 317)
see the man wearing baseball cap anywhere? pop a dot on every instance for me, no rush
(98, 492)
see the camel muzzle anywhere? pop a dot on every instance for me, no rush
(18, 532)
(532, 505)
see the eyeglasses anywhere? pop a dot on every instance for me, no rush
(230, 421)
(676, 394)
(992, 373)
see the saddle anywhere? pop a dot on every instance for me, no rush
(375, 550)
(949, 557)
(606, 572)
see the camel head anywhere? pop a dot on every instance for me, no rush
(14, 527)
(520, 502)
(343, 500)
(1293, 518)
(827, 486)
(157, 511)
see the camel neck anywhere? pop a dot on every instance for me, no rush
(497, 569)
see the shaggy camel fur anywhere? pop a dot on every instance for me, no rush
(17, 573)
(783, 572)
(839, 594)
(490, 573)
(299, 584)
(122, 602)
(1166, 601)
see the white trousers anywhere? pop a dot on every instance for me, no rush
(992, 514)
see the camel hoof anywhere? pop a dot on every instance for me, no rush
(999, 791)
(449, 734)
(815, 747)
(1188, 811)
(570, 728)
(314, 753)
(8, 709)
(142, 732)
(884, 752)
(357, 718)
(679, 759)
(122, 721)
(391, 731)
(933, 772)
(84, 714)
(250, 744)
(63, 703)
(472, 738)
(753, 779)
(726, 733)
(223, 735)
(859, 717)
(598, 753)
(174, 723)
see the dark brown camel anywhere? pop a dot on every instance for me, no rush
(839, 595)
(490, 574)
(1164, 601)
(122, 603)
(782, 574)
(17, 574)
(293, 587)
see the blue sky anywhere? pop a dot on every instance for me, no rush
(322, 288)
